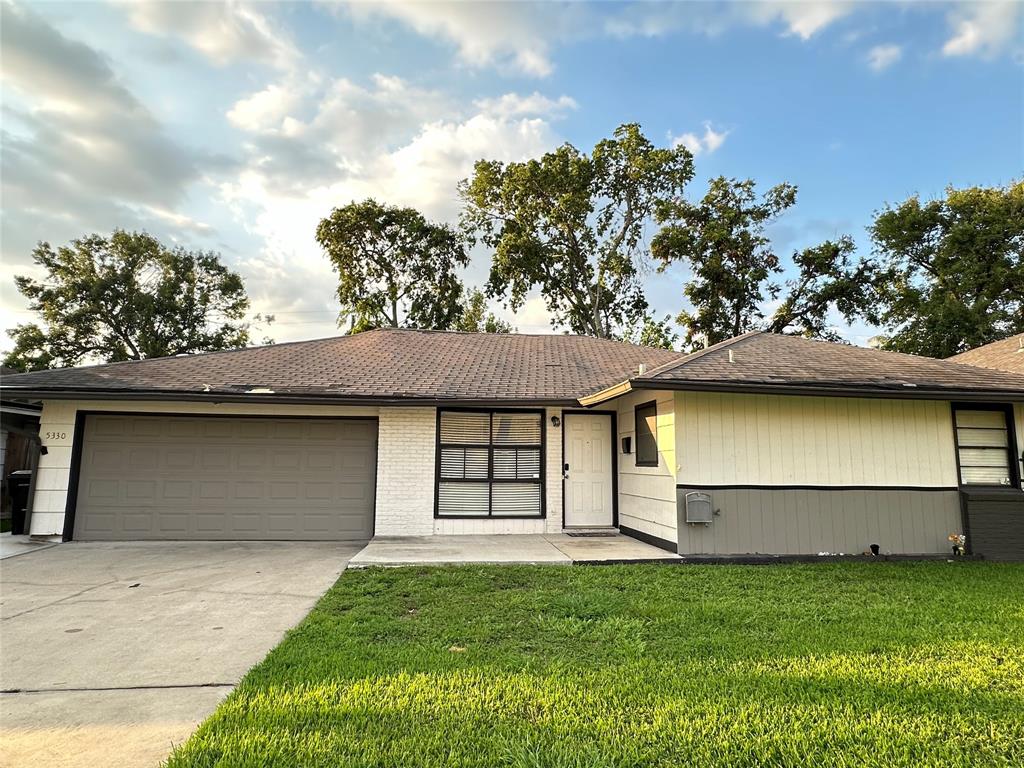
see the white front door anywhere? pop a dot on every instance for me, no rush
(588, 470)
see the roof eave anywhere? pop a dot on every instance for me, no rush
(837, 390)
(608, 393)
(10, 394)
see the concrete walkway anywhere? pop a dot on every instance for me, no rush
(12, 546)
(111, 653)
(554, 548)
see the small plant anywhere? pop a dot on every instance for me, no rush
(959, 542)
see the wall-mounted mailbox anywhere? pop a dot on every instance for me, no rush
(627, 444)
(698, 508)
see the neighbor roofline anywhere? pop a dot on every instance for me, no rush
(11, 394)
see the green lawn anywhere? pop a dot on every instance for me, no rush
(859, 664)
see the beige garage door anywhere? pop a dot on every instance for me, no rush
(178, 477)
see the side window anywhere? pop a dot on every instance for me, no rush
(647, 435)
(983, 446)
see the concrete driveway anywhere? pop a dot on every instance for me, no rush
(111, 653)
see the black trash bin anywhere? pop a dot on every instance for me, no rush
(18, 483)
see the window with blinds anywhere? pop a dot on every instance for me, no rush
(490, 464)
(983, 446)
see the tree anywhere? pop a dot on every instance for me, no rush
(573, 225)
(476, 319)
(395, 268)
(652, 333)
(127, 297)
(827, 279)
(722, 239)
(951, 272)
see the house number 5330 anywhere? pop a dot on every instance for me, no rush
(56, 435)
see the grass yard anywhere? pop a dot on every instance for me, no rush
(852, 664)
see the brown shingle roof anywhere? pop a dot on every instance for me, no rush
(768, 361)
(388, 364)
(1004, 355)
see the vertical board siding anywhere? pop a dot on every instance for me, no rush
(647, 495)
(785, 521)
(739, 439)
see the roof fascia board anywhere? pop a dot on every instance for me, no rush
(910, 393)
(616, 390)
(280, 399)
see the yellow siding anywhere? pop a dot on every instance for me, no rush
(647, 495)
(739, 439)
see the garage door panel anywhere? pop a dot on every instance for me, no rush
(215, 478)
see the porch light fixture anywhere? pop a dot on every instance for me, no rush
(555, 421)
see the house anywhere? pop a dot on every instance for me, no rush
(762, 444)
(1004, 355)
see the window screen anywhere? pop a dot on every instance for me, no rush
(490, 464)
(983, 447)
(647, 435)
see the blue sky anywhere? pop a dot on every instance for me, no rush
(236, 127)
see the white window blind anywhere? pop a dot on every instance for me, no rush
(490, 464)
(983, 447)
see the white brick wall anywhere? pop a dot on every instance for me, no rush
(405, 472)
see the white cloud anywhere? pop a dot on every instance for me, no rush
(265, 109)
(224, 32)
(984, 28)
(799, 19)
(514, 36)
(803, 19)
(707, 143)
(513, 104)
(884, 56)
(385, 139)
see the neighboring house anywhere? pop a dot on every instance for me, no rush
(19, 428)
(995, 522)
(1004, 355)
(802, 446)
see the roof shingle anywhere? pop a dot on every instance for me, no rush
(768, 360)
(1004, 355)
(386, 364)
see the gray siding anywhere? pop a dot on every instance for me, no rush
(799, 521)
(995, 524)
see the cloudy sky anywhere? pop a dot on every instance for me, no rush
(237, 126)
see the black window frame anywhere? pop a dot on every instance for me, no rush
(491, 480)
(637, 419)
(1012, 456)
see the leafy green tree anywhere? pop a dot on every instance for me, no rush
(127, 297)
(733, 264)
(723, 241)
(572, 224)
(395, 268)
(828, 278)
(652, 332)
(951, 271)
(475, 317)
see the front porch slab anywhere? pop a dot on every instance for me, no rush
(553, 549)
